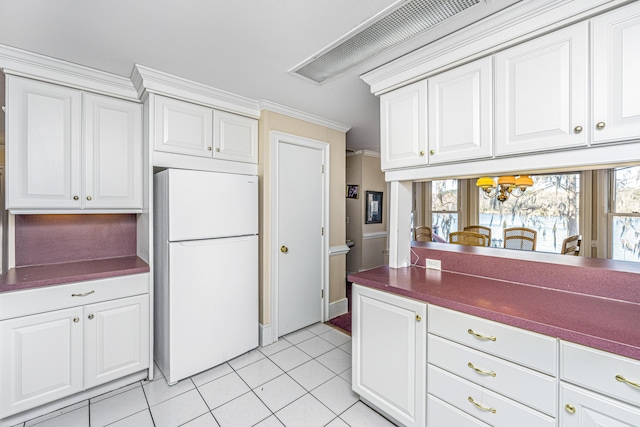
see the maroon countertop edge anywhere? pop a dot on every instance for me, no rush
(594, 321)
(55, 274)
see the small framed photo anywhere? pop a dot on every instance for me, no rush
(374, 207)
(352, 192)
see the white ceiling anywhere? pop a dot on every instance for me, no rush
(241, 46)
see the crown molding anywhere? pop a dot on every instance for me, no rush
(35, 66)
(297, 114)
(520, 22)
(146, 79)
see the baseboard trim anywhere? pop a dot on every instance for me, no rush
(265, 335)
(338, 308)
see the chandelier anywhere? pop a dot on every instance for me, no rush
(506, 186)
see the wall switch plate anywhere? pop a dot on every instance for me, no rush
(434, 264)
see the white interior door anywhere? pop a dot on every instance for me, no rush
(300, 222)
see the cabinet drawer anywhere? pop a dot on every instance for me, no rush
(597, 370)
(531, 388)
(582, 408)
(517, 345)
(440, 413)
(498, 410)
(48, 298)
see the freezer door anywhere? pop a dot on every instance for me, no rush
(206, 205)
(213, 303)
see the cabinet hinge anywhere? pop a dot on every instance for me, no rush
(322, 293)
(322, 231)
(322, 168)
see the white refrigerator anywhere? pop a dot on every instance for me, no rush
(205, 269)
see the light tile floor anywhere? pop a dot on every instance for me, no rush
(304, 379)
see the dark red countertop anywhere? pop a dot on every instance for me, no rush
(604, 323)
(54, 274)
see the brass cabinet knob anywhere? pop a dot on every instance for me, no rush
(284, 249)
(577, 129)
(89, 198)
(75, 197)
(421, 153)
(570, 408)
(217, 150)
(209, 148)
(90, 316)
(76, 320)
(600, 125)
(418, 317)
(432, 152)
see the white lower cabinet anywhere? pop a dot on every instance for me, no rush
(585, 409)
(51, 355)
(389, 354)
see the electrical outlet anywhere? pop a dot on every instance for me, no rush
(434, 264)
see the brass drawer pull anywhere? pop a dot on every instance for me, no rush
(570, 408)
(83, 295)
(480, 371)
(482, 337)
(624, 380)
(479, 406)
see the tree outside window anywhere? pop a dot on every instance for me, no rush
(550, 206)
(625, 218)
(444, 207)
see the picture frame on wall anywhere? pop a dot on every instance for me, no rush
(374, 207)
(352, 192)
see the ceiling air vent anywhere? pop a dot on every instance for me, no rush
(376, 36)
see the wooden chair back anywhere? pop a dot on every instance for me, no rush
(571, 245)
(520, 238)
(422, 233)
(480, 229)
(468, 238)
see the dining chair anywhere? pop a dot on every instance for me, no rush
(520, 238)
(480, 229)
(468, 238)
(422, 233)
(571, 245)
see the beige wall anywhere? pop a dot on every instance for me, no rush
(270, 121)
(364, 170)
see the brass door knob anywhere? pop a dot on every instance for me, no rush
(75, 197)
(217, 150)
(418, 317)
(209, 148)
(284, 249)
(432, 152)
(89, 198)
(90, 316)
(421, 153)
(76, 320)
(570, 408)
(600, 125)
(577, 129)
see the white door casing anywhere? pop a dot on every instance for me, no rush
(300, 231)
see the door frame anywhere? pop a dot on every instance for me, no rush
(278, 138)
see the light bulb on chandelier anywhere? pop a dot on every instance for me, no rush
(507, 185)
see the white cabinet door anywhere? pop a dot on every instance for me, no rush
(43, 145)
(616, 75)
(40, 359)
(235, 137)
(113, 153)
(403, 127)
(116, 339)
(460, 113)
(389, 353)
(580, 408)
(541, 93)
(183, 128)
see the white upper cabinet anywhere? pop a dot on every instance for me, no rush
(403, 127)
(542, 93)
(183, 128)
(112, 153)
(616, 75)
(460, 113)
(43, 135)
(235, 137)
(67, 150)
